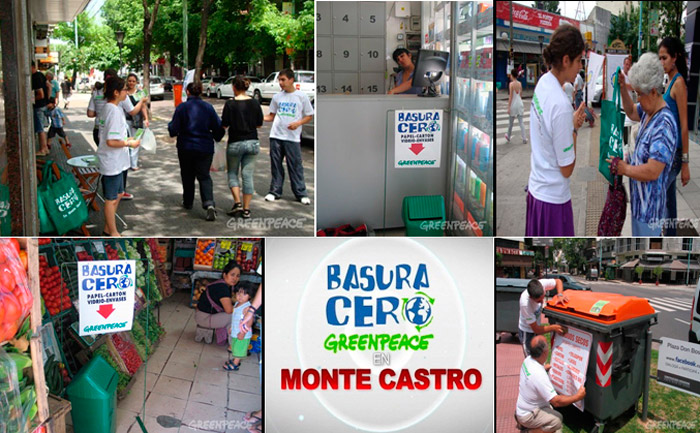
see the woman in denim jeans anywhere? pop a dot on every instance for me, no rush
(242, 116)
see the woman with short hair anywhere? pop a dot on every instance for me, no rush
(650, 164)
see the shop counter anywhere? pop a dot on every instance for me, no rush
(357, 181)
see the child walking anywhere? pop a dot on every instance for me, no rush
(57, 121)
(240, 340)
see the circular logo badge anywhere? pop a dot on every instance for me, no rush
(374, 305)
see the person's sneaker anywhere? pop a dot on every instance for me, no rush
(245, 214)
(211, 213)
(524, 140)
(507, 138)
(127, 196)
(270, 197)
(305, 200)
(186, 206)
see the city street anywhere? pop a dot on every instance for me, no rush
(671, 302)
(156, 208)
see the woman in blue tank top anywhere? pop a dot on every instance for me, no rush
(672, 57)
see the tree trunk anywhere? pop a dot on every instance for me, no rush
(206, 4)
(149, 18)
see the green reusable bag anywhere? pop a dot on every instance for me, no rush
(5, 217)
(45, 224)
(63, 201)
(612, 122)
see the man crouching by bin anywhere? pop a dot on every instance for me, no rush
(531, 304)
(536, 395)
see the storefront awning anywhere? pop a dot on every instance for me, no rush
(518, 46)
(677, 265)
(630, 265)
(56, 11)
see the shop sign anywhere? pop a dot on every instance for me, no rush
(679, 365)
(532, 17)
(418, 138)
(106, 294)
(570, 362)
(514, 251)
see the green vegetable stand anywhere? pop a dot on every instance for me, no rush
(93, 394)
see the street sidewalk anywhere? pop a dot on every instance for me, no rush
(588, 187)
(157, 188)
(509, 359)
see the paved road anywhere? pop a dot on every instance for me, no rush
(672, 304)
(157, 188)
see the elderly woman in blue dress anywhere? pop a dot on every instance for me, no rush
(649, 165)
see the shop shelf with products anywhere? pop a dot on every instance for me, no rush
(471, 188)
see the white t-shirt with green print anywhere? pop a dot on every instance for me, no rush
(551, 141)
(113, 160)
(536, 390)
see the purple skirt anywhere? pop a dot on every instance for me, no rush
(547, 219)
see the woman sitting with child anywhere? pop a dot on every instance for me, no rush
(215, 307)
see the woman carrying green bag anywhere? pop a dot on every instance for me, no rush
(113, 151)
(650, 164)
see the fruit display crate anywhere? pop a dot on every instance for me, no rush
(200, 281)
(204, 254)
(249, 253)
(225, 251)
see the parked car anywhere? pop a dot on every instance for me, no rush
(570, 283)
(225, 89)
(209, 85)
(307, 129)
(598, 90)
(694, 332)
(157, 88)
(264, 91)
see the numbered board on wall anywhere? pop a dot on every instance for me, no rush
(345, 18)
(351, 47)
(372, 83)
(372, 18)
(324, 50)
(345, 54)
(323, 18)
(372, 54)
(345, 83)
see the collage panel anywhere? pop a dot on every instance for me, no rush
(157, 118)
(131, 335)
(596, 119)
(379, 335)
(405, 99)
(597, 334)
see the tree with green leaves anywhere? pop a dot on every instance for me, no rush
(97, 47)
(574, 252)
(658, 271)
(149, 20)
(548, 6)
(206, 5)
(626, 26)
(639, 270)
(291, 33)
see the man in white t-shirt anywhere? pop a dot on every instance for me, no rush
(289, 110)
(531, 305)
(536, 394)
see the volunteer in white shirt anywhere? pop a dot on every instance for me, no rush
(113, 150)
(536, 394)
(531, 305)
(289, 110)
(553, 129)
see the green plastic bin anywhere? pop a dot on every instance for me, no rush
(423, 215)
(508, 291)
(618, 363)
(93, 396)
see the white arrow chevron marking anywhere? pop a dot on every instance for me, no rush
(603, 378)
(604, 357)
